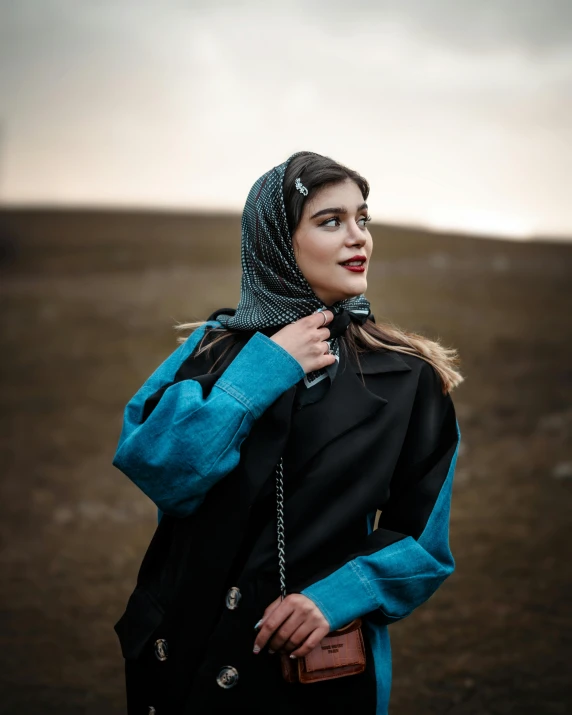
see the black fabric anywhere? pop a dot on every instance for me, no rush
(148, 683)
(344, 455)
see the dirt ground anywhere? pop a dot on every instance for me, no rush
(88, 304)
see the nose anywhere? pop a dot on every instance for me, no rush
(356, 235)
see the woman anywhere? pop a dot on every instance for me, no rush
(361, 416)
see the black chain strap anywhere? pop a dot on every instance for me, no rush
(280, 526)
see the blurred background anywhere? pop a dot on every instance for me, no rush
(130, 135)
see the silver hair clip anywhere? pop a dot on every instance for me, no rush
(301, 188)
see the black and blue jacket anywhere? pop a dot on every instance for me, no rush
(368, 482)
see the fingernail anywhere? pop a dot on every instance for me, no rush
(270, 651)
(258, 624)
(293, 656)
(256, 649)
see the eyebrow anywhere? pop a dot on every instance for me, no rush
(338, 210)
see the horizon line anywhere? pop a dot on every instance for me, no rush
(451, 229)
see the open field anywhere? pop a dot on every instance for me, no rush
(88, 301)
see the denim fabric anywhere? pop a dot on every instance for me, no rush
(381, 647)
(165, 455)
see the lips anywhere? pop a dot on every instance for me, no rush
(355, 264)
(357, 257)
(354, 268)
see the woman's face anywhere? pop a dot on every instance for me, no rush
(333, 230)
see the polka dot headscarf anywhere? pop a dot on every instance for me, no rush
(273, 290)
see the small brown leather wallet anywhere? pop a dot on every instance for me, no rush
(340, 653)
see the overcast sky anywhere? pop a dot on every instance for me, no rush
(458, 113)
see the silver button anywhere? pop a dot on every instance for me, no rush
(233, 596)
(161, 649)
(228, 677)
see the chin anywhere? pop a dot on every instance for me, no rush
(357, 288)
(351, 293)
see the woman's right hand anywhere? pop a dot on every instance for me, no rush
(304, 340)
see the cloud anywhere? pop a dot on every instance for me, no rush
(440, 104)
(486, 25)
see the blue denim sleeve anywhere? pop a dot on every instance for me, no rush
(189, 442)
(388, 583)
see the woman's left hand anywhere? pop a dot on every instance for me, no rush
(294, 625)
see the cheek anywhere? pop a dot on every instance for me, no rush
(320, 251)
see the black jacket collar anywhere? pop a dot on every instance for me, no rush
(347, 403)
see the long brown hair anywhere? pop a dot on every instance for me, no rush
(317, 171)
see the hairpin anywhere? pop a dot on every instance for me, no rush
(301, 188)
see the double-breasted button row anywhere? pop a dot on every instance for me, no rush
(228, 676)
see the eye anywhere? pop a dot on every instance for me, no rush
(365, 219)
(329, 220)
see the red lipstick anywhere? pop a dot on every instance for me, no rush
(357, 268)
